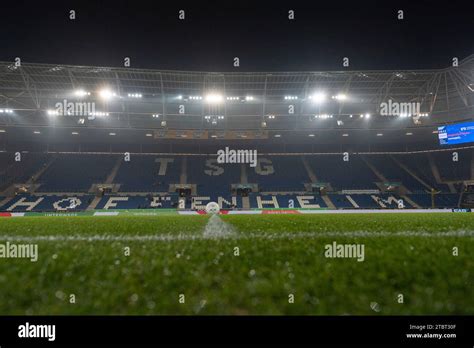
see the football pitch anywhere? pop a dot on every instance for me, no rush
(323, 264)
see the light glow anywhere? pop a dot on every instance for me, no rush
(318, 97)
(106, 94)
(81, 93)
(214, 98)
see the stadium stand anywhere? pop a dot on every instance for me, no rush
(136, 202)
(279, 173)
(281, 181)
(183, 117)
(450, 170)
(353, 174)
(442, 200)
(19, 172)
(225, 201)
(48, 203)
(160, 172)
(420, 165)
(212, 178)
(394, 173)
(75, 173)
(286, 201)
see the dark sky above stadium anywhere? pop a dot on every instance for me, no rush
(258, 32)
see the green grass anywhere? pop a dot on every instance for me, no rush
(271, 265)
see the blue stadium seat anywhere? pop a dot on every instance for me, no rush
(420, 165)
(279, 173)
(142, 173)
(351, 175)
(76, 173)
(13, 172)
(450, 170)
(212, 178)
(394, 173)
(442, 200)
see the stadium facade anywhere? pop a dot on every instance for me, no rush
(75, 138)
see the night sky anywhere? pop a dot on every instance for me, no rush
(258, 32)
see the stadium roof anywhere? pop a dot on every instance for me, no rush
(156, 100)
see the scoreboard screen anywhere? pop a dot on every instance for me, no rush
(460, 133)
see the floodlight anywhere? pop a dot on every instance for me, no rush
(214, 98)
(81, 93)
(134, 95)
(106, 94)
(318, 97)
(99, 113)
(339, 97)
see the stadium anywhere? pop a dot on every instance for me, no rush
(338, 192)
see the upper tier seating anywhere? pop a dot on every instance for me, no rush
(279, 173)
(212, 177)
(351, 175)
(75, 173)
(450, 170)
(19, 172)
(419, 164)
(148, 173)
(394, 173)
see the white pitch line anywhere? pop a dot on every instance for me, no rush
(261, 235)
